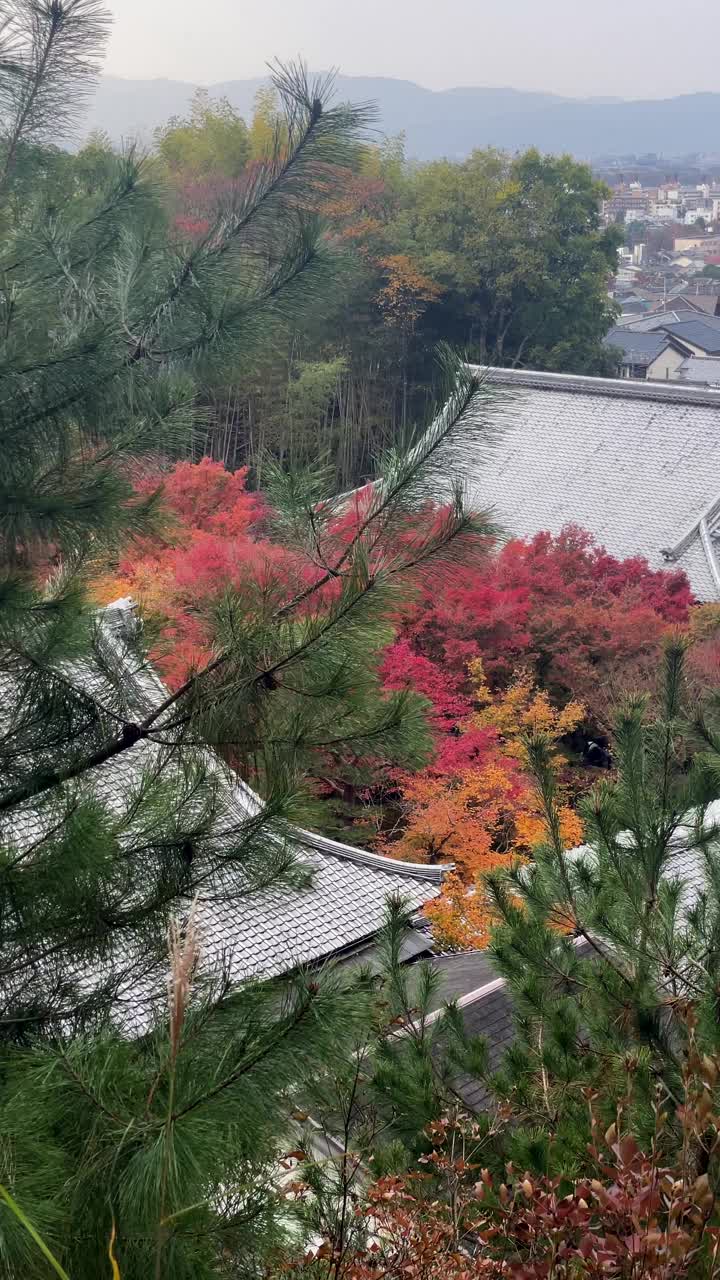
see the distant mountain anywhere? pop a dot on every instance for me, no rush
(454, 121)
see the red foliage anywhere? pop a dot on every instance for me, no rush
(586, 623)
(215, 541)
(403, 668)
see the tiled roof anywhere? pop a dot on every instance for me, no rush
(660, 319)
(274, 931)
(638, 348)
(701, 370)
(706, 303)
(253, 932)
(700, 332)
(635, 463)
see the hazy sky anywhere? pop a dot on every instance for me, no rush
(629, 48)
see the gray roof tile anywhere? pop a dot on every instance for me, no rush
(701, 370)
(255, 932)
(638, 348)
(637, 464)
(700, 332)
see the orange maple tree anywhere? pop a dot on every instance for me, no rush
(480, 810)
(406, 293)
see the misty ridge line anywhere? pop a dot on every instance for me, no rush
(450, 122)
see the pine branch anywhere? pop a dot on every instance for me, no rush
(57, 44)
(134, 732)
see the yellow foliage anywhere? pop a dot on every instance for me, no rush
(519, 710)
(462, 918)
(487, 814)
(704, 622)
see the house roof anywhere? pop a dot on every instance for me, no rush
(635, 463)
(634, 307)
(702, 370)
(640, 348)
(702, 303)
(701, 333)
(252, 932)
(662, 318)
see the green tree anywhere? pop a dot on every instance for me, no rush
(212, 142)
(266, 126)
(604, 949)
(373, 1111)
(132, 1121)
(517, 247)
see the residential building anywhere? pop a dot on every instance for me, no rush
(708, 242)
(701, 335)
(656, 356)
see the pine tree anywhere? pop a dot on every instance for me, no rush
(133, 1123)
(607, 948)
(375, 1112)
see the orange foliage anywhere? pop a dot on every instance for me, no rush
(483, 812)
(406, 291)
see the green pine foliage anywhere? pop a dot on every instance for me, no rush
(371, 1115)
(135, 1120)
(606, 948)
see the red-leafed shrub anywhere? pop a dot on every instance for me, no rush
(633, 1214)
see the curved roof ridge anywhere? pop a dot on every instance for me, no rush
(617, 388)
(708, 545)
(380, 861)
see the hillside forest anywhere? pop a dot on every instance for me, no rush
(501, 256)
(222, 366)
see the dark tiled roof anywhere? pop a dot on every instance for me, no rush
(491, 1017)
(462, 973)
(638, 348)
(700, 332)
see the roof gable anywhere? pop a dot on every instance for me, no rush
(643, 348)
(700, 332)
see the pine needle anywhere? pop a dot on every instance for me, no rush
(14, 1208)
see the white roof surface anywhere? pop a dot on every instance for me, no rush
(637, 464)
(250, 932)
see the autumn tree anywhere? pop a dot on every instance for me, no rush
(220, 538)
(475, 805)
(586, 625)
(638, 1213)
